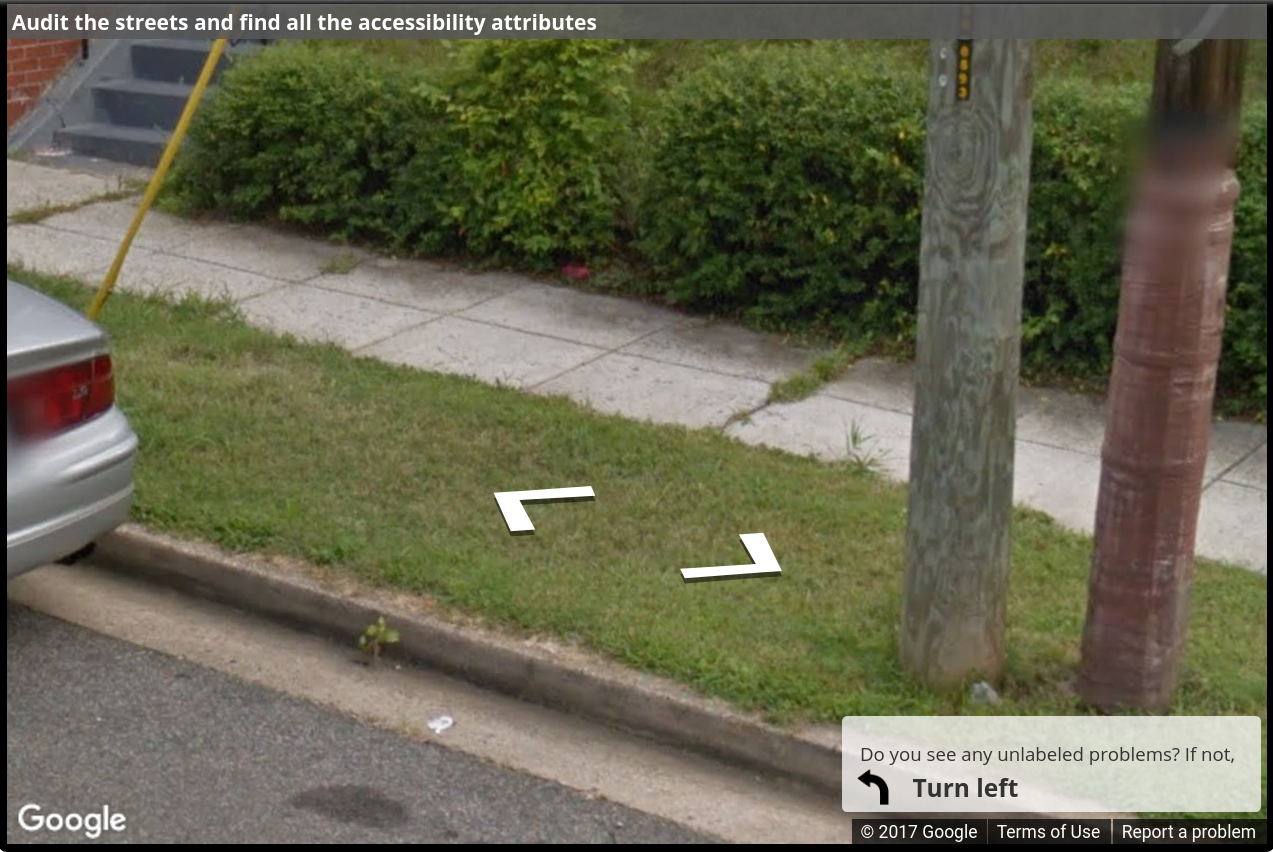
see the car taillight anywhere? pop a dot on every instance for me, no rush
(46, 403)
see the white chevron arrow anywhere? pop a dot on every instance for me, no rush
(511, 504)
(766, 564)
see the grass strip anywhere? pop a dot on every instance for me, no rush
(386, 474)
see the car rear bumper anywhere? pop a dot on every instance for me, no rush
(71, 495)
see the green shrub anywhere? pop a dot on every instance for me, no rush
(313, 137)
(1078, 202)
(1244, 367)
(1079, 190)
(540, 123)
(786, 187)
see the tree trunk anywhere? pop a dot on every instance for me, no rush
(1166, 353)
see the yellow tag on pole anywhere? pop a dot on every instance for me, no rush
(963, 77)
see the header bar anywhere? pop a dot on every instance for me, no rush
(633, 20)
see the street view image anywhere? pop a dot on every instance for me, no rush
(436, 434)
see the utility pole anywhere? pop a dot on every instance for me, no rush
(1166, 352)
(972, 262)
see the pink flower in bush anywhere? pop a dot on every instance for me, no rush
(575, 271)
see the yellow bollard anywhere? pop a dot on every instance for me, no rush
(152, 191)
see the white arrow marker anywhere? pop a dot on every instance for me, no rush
(511, 502)
(766, 564)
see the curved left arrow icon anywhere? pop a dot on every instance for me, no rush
(868, 779)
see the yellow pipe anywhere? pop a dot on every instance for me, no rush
(156, 181)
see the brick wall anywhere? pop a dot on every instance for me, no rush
(34, 64)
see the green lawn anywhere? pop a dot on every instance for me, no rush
(386, 474)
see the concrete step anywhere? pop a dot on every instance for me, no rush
(174, 60)
(142, 103)
(138, 146)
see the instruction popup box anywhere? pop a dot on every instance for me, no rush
(1052, 764)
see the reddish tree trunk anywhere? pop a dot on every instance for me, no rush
(1166, 352)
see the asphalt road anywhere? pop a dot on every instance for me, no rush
(187, 754)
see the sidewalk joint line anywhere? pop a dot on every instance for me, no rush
(363, 348)
(654, 360)
(517, 289)
(275, 286)
(1096, 455)
(274, 289)
(1254, 488)
(135, 247)
(822, 391)
(531, 333)
(535, 387)
(1242, 460)
(617, 350)
(452, 312)
(226, 266)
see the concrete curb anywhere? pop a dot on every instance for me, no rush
(558, 677)
(561, 677)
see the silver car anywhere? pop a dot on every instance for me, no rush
(70, 449)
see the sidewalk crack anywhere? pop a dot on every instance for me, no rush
(743, 415)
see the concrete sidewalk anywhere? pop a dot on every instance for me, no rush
(615, 355)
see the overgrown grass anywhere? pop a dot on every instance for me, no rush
(824, 369)
(341, 264)
(127, 188)
(385, 475)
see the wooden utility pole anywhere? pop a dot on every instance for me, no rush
(1166, 352)
(972, 261)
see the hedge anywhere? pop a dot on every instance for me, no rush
(787, 188)
(779, 184)
(511, 157)
(540, 125)
(315, 138)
